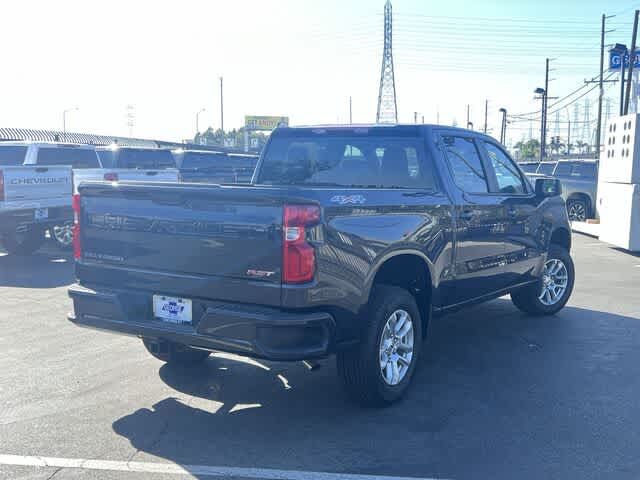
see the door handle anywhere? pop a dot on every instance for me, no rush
(512, 212)
(466, 215)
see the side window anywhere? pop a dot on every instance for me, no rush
(465, 163)
(507, 174)
(563, 170)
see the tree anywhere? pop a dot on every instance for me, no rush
(529, 150)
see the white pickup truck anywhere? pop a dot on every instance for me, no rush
(32, 199)
(131, 164)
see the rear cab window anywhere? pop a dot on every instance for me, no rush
(352, 158)
(144, 159)
(12, 155)
(75, 157)
(201, 159)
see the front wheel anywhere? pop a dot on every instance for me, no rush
(551, 293)
(577, 210)
(174, 353)
(23, 242)
(378, 372)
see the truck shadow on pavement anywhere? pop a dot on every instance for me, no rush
(503, 391)
(44, 269)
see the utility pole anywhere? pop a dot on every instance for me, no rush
(545, 98)
(486, 109)
(503, 129)
(601, 82)
(568, 130)
(468, 113)
(415, 117)
(632, 58)
(350, 112)
(422, 119)
(221, 107)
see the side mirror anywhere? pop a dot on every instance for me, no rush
(548, 187)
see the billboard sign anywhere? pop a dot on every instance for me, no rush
(261, 122)
(614, 60)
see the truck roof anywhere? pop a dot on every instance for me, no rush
(405, 128)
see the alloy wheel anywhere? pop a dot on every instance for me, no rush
(396, 347)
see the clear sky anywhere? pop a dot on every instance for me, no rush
(300, 58)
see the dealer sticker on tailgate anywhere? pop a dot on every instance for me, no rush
(172, 309)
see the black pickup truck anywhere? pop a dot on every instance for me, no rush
(347, 242)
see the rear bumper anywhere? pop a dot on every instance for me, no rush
(245, 329)
(11, 220)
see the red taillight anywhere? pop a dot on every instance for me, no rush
(1, 185)
(298, 256)
(77, 246)
(111, 177)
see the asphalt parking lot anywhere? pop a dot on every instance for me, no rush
(498, 395)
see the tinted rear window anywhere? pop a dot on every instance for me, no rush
(75, 157)
(145, 159)
(347, 161)
(12, 155)
(202, 160)
(107, 158)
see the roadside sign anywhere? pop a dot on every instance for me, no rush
(614, 60)
(258, 122)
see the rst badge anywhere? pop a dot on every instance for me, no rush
(259, 273)
(348, 199)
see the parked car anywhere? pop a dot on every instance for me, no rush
(32, 198)
(579, 180)
(78, 157)
(205, 166)
(346, 243)
(87, 166)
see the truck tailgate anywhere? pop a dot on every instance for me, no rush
(223, 237)
(33, 186)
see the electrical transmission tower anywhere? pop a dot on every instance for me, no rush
(387, 106)
(576, 120)
(131, 118)
(586, 129)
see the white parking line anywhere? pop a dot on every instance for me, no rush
(175, 469)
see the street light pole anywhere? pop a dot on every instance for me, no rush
(64, 121)
(198, 119)
(543, 96)
(221, 107)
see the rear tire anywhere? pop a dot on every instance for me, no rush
(528, 299)
(23, 243)
(174, 353)
(361, 369)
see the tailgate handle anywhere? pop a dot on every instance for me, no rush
(152, 173)
(42, 169)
